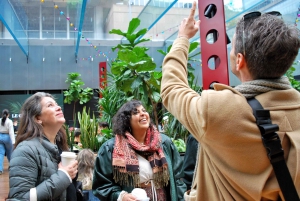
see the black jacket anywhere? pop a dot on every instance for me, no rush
(189, 161)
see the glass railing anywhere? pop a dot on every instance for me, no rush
(16, 22)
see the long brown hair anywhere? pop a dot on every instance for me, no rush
(86, 160)
(29, 128)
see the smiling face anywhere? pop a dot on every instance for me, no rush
(140, 120)
(51, 114)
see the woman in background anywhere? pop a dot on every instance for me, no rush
(138, 157)
(86, 160)
(36, 172)
(7, 138)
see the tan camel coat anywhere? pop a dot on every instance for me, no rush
(232, 163)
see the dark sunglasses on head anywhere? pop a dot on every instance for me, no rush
(255, 14)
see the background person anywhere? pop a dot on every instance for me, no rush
(127, 161)
(189, 161)
(233, 163)
(7, 137)
(86, 160)
(102, 125)
(15, 124)
(36, 172)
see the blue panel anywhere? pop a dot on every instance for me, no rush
(14, 25)
(83, 6)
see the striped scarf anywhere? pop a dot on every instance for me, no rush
(253, 88)
(125, 162)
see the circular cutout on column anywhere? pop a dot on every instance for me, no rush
(213, 62)
(211, 86)
(212, 36)
(210, 11)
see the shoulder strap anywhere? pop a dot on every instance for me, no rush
(274, 149)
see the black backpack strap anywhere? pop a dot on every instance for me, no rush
(274, 149)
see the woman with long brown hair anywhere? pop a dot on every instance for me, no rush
(36, 172)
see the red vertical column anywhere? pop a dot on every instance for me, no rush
(102, 76)
(213, 42)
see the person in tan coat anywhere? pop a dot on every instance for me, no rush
(232, 162)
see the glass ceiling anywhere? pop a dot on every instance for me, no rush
(93, 19)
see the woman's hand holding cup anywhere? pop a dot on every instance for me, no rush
(71, 169)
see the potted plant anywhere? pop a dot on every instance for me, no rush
(110, 101)
(88, 129)
(75, 92)
(172, 127)
(134, 70)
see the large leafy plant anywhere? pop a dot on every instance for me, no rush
(295, 83)
(173, 128)
(110, 101)
(76, 92)
(134, 69)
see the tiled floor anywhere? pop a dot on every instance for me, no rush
(4, 181)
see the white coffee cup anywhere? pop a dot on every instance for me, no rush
(144, 199)
(67, 157)
(140, 194)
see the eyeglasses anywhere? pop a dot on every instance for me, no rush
(253, 15)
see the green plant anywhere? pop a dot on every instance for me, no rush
(295, 83)
(106, 134)
(173, 128)
(70, 136)
(134, 69)
(191, 58)
(75, 92)
(180, 145)
(110, 101)
(88, 129)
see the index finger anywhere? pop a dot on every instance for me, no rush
(193, 10)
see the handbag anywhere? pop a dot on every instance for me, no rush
(272, 143)
(191, 195)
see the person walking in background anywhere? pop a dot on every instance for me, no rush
(138, 157)
(36, 172)
(86, 160)
(15, 124)
(233, 163)
(7, 138)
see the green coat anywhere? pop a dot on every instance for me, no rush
(105, 188)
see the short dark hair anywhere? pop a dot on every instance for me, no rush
(271, 45)
(77, 132)
(103, 124)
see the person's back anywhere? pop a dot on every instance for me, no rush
(233, 163)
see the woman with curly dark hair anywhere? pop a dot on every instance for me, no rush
(138, 157)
